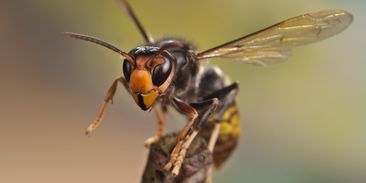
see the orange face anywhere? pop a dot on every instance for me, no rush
(148, 77)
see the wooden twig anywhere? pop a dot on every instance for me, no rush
(194, 169)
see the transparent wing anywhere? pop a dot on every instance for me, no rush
(273, 44)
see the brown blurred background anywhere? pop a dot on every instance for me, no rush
(303, 121)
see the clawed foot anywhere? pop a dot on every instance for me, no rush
(90, 128)
(174, 166)
(99, 118)
(150, 141)
(178, 154)
(176, 160)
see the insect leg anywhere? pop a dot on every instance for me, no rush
(108, 98)
(189, 111)
(202, 111)
(211, 145)
(214, 135)
(161, 128)
(222, 93)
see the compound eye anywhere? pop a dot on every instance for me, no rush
(127, 69)
(161, 72)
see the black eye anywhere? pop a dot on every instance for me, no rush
(127, 68)
(161, 73)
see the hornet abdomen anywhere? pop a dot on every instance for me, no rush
(212, 79)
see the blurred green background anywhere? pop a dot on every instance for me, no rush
(303, 121)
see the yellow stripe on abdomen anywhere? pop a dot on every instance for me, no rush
(228, 136)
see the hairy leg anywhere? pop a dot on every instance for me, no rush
(211, 145)
(108, 98)
(190, 131)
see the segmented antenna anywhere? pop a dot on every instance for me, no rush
(124, 4)
(99, 42)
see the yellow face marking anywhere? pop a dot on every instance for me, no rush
(150, 98)
(142, 88)
(140, 81)
(145, 101)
